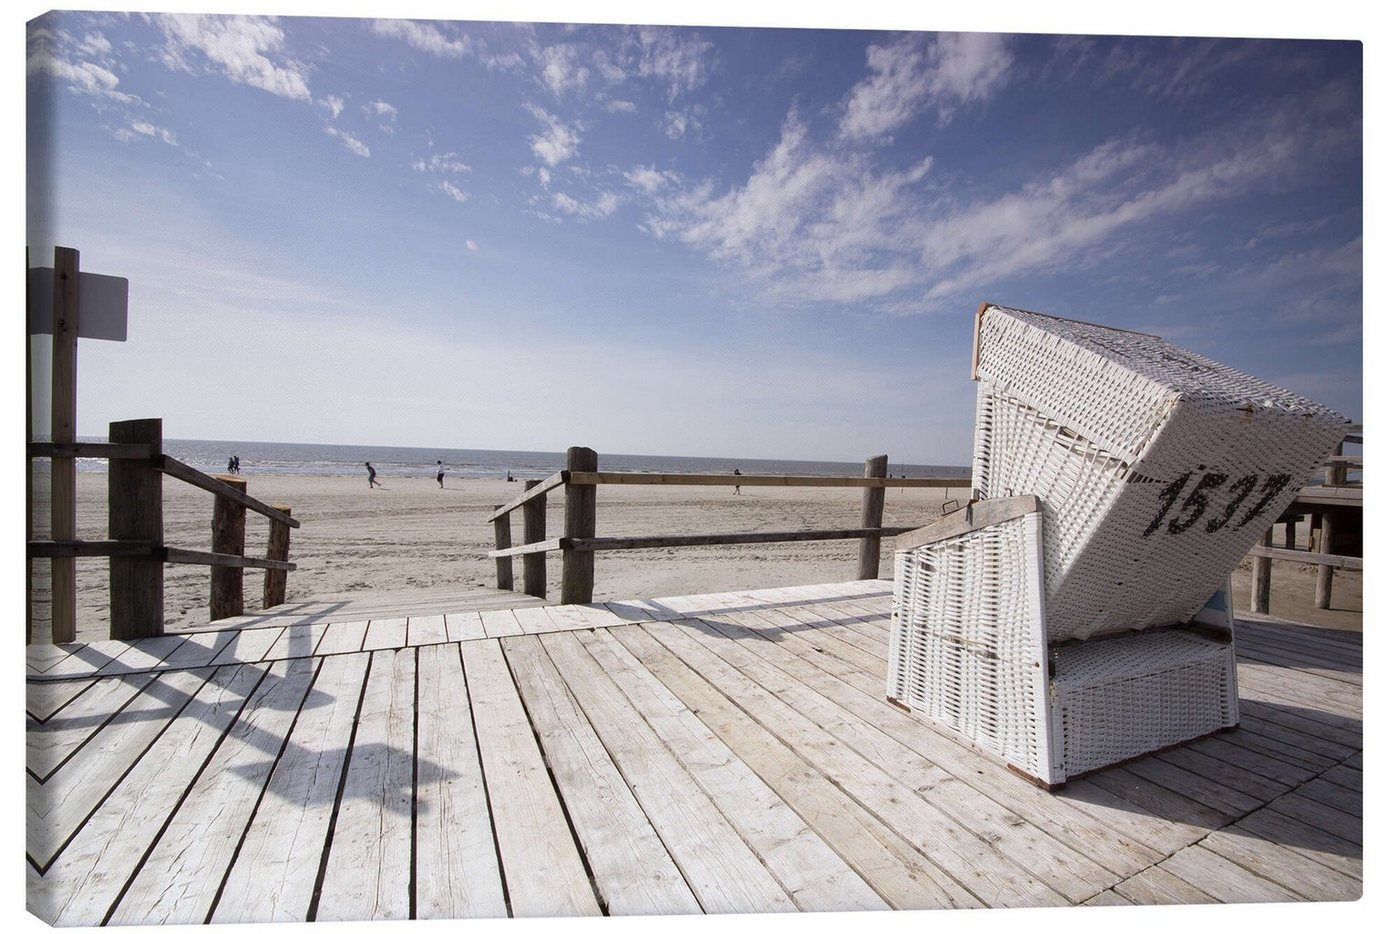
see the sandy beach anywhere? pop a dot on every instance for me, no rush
(411, 536)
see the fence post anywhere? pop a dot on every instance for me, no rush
(279, 546)
(872, 515)
(580, 521)
(505, 579)
(63, 583)
(135, 512)
(230, 522)
(1263, 574)
(1336, 476)
(533, 515)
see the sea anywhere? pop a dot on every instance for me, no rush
(344, 460)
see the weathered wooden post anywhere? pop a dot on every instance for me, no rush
(533, 515)
(872, 514)
(1336, 476)
(279, 546)
(230, 522)
(1263, 574)
(135, 505)
(63, 481)
(505, 578)
(580, 521)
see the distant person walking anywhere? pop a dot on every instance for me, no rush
(736, 486)
(441, 471)
(372, 482)
(236, 465)
(231, 468)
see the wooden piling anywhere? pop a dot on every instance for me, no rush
(1336, 476)
(279, 546)
(1263, 573)
(135, 512)
(505, 578)
(580, 521)
(533, 515)
(872, 514)
(63, 430)
(230, 522)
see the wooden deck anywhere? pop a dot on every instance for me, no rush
(716, 753)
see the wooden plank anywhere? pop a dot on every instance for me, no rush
(87, 878)
(499, 623)
(464, 626)
(975, 864)
(805, 865)
(544, 872)
(248, 645)
(343, 637)
(580, 522)
(226, 554)
(274, 874)
(634, 873)
(974, 516)
(458, 875)
(723, 872)
(43, 700)
(198, 650)
(100, 548)
(50, 743)
(369, 863)
(571, 545)
(427, 630)
(1343, 856)
(386, 634)
(81, 660)
(1345, 562)
(180, 876)
(872, 516)
(1306, 810)
(1229, 774)
(182, 471)
(142, 655)
(534, 619)
(101, 449)
(898, 872)
(297, 642)
(1200, 788)
(1155, 886)
(1106, 898)
(1283, 866)
(63, 426)
(60, 806)
(1333, 795)
(1223, 880)
(595, 478)
(961, 805)
(221, 559)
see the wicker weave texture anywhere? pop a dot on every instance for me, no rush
(1157, 472)
(1115, 699)
(967, 645)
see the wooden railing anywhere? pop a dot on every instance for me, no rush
(135, 546)
(580, 479)
(1321, 502)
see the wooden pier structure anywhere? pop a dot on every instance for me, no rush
(713, 753)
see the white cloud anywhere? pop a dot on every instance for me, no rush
(143, 128)
(603, 206)
(561, 68)
(649, 178)
(678, 123)
(382, 109)
(452, 191)
(422, 36)
(557, 142)
(351, 142)
(245, 49)
(441, 163)
(472, 246)
(83, 77)
(681, 62)
(544, 176)
(334, 104)
(94, 43)
(917, 73)
(617, 106)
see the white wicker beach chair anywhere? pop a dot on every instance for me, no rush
(1073, 617)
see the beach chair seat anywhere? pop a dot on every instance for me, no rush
(1073, 616)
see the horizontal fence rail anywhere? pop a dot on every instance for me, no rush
(580, 478)
(136, 549)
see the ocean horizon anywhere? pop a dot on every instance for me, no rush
(341, 460)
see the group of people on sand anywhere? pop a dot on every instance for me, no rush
(441, 472)
(233, 464)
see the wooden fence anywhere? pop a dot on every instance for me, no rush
(581, 478)
(1322, 504)
(135, 547)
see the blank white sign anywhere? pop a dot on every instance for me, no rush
(101, 304)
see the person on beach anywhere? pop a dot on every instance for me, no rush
(736, 486)
(230, 464)
(440, 473)
(509, 478)
(236, 465)
(372, 482)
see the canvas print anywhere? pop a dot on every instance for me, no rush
(521, 469)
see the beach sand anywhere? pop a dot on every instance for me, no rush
(413, 536)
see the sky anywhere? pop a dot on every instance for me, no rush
(733, 242)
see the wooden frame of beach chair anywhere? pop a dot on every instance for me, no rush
(1080, 622)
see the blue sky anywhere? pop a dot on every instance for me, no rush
(674, 240)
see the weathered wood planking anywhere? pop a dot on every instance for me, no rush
(274, 876)
(543, 869)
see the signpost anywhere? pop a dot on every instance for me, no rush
(67, 304)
